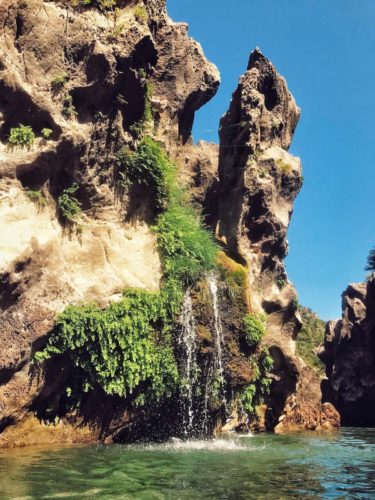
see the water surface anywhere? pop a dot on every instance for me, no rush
(235, 467)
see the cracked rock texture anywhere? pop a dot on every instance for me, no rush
(349, 355)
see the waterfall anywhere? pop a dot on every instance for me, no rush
(199, 385)
(218, 336)
(187, 341)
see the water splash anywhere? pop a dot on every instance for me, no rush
(187, 340)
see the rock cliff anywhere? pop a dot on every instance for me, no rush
(77, 84)
(258, 182)
(348, 353)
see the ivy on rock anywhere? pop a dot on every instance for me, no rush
(127, 348)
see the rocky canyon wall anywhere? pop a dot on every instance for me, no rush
(97, 82)
(349, 355)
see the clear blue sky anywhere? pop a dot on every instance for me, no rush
(326, 51)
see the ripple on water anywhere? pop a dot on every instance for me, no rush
(233, 467)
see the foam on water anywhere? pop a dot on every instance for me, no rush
(214, 445)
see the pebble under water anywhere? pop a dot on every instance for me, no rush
(341, 465)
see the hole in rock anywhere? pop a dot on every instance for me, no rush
(267, 86)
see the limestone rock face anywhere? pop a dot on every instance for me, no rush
(51, 56)
(349, 354)
(258, 182)
(90, 79)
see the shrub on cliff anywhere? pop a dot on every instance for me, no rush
(68, 205)
(187, 249)
(23, 136)
(253, 394)
(255, 328)
(118, 348)
(148, 166)
(36, 197)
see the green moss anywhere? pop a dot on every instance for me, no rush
(253, 394)
(284, 166)
(138, 128)
(254, 328)
(23, 136)
(235, 277)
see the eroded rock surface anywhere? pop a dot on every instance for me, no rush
(90, 80)
(349, 355)
(102, 67)
(258, 182)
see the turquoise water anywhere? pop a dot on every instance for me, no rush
(261, 466)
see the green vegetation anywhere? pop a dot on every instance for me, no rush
(254, 328)
(69, 206)
(371, 261)
(234, 275)
(68, 110)
(126, 349)
(253, 394)
(148, 166)
(309, 338)
(140, 14)
(22, 135)
(187, 249)
(119, 348)
(46, 133)
(138, 128)
(59, 82)
(36, 197)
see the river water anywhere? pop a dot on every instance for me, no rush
(261, 466)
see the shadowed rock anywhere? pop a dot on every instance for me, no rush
(349, 355)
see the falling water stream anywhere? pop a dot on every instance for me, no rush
(195, 410)
(218, 336)
(187, 341)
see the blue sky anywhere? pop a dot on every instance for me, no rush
(326, 51)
